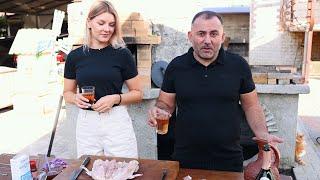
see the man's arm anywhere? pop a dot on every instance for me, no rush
(165, 104)
(255, 117)
(166, 101)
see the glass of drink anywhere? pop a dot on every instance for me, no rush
(88, 92)
(162, 122)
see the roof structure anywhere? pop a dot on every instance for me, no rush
(30, 6)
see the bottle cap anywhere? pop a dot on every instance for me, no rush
(266, 147)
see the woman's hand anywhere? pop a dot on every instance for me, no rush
(105, 103)
(81, 101)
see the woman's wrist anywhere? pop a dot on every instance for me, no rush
(117, 99)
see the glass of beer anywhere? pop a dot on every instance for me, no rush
(162, 122)
(88, 92)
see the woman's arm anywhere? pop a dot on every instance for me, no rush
(70, 94)
(69, 90)
(134, 95)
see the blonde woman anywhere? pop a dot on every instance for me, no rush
(104, 62)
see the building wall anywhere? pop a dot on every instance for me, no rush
(269, 43)
(300, 12)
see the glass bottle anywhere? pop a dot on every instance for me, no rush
(265, 172)
(33, 168)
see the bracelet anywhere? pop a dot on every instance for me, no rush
(119, 100)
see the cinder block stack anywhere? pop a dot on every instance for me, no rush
(134, 25)
(280, 78)
(138, 31)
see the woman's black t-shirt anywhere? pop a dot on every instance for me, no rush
(106, 69)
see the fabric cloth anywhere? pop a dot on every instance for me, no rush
(208, 110)
(106, 69)
(109, 134)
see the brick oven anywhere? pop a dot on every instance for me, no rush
(139, 39)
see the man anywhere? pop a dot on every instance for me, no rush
(207, 84)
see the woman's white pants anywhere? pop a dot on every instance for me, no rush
(109, 134)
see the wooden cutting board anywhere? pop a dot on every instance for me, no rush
(151, 169)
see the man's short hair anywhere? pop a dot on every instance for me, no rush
(207, 15)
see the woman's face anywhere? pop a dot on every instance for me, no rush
(102, 28)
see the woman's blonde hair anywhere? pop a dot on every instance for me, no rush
(100, 7)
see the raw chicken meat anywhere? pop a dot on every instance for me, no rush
(113, 170)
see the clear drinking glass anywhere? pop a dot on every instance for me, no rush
(88, 92)
(162, 122)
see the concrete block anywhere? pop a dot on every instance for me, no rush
(144, 64)
(135, 16)
(260, 78)
(144, 52)
(143, 40)
(128, 32)
(141, 28)
(283, 81)
(276, 75)
(144, 71)
(141, 31)
(286, 69)
(272, 81)
(126, 26)
(145, 81)
(140, 25)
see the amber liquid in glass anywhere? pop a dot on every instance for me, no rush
(89, 96)
(162, 126)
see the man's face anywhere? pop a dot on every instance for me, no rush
(206, 36)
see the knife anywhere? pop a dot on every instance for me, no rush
(75, 174)
(164, 174)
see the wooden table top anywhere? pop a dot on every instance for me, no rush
(207, 174)
(151, 169)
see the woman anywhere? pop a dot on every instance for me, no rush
(103, 62)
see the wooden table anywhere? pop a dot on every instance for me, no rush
(198, 174)
(151, 169)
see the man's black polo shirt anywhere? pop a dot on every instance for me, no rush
(209, 113)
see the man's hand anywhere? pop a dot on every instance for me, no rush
(271, 139)
(155, 113)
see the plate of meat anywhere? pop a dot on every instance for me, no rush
(117, 168)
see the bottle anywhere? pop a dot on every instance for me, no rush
(33, 168)
(265, 172)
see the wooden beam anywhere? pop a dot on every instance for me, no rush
(52, 7)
